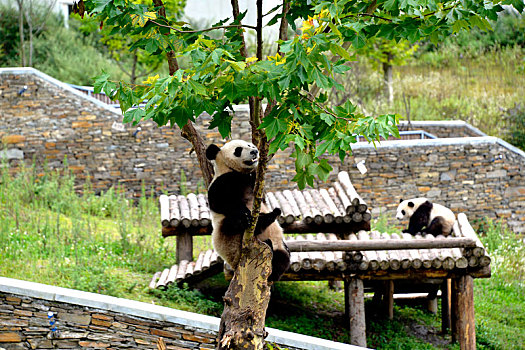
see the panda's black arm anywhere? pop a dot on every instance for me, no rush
(266, 219)
(227, 194)
(420, 218)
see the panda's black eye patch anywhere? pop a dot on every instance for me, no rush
(403, 212)
(238, 151)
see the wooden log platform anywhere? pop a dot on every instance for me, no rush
(322, 257)
(330, 242)
(338, 209)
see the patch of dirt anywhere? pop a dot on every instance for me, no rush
(428, 334)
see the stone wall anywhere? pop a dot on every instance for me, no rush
(50, 121)
(482, 177)
(94, 321)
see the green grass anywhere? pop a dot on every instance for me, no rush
(445, 85)
(107, 244)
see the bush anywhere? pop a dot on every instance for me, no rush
(508, 31)
(70, 56)
(515, 118)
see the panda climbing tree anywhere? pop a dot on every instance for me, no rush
(287, 91)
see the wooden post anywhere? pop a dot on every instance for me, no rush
(445, 305)
(355, 311)
(388, 299)
(432, 305)
(463, 325)
(184, 248)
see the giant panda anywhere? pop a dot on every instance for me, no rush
(426, 217)
(230, 196)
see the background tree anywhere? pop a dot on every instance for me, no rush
(387, 54)
(34, 14)
(137, 63)
(292, 84)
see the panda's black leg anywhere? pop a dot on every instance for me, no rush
(235, 225)
(280, 263)
(415, 225)
(265, 220)
(435, 228)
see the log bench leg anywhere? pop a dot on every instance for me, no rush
(388, 299)
(463, 325)
(445, 305)
(184, 248)
(355, 311)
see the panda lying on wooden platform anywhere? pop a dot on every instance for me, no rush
(426, 217)
(230, 197)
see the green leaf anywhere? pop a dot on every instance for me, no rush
(197, 87)
(100, 82)
(321, 149)
(100, 5)
(328, 119)
(338, 50)
(134, 115)
(222, 121)
(321, 79)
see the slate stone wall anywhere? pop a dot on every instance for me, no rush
(482, 178)
(24, 324)
(94, 321)
(51, 121)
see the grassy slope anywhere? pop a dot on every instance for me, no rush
(104, 244)
(446, 85)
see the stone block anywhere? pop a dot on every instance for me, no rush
(12, 139)
(73, 318)
(10, 337)
(497, 174)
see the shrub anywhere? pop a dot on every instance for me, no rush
(515, 118)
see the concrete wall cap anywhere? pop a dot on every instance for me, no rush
(447, 123)
(454, 141)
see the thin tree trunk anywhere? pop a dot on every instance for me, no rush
(133, 76)
(387, 76)
(30, 27)
(21, 31)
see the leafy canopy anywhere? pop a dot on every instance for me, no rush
(218, 74)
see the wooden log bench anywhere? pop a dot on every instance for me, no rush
(346, 249)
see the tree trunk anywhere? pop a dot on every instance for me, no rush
(387, 75)
(133, 75)
(246, 301)
(21, 31)
(30, 27)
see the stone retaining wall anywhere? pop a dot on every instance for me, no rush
(50, 121)
(482, 176)
(94, 321)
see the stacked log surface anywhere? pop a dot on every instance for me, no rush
(336, 209)
(185, 270)
(393, 259)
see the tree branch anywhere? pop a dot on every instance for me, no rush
(283, 27)
(191, 134)
(188, 131)
(172, 60)
(202, 30)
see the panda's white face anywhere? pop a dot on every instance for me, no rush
(406, 208)
(237, 155)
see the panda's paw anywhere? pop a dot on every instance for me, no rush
(406, 231)
(276, 212)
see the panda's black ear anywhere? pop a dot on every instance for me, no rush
(212, 151)
(400, 200)
(411, 204)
